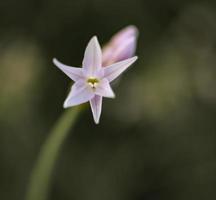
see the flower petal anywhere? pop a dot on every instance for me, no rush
(129, 31)
(96, 107)
(80, 93)
(93, 57)
(113, 71)
(104, 89)
(125, 50)
(74, 73)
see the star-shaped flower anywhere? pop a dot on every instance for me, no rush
(92, 81)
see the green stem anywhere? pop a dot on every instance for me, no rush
(40, 179)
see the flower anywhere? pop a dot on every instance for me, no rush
(92, 81)
(121, 46)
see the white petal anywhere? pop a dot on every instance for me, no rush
(96, 106)
(103, 89)
(74, 73)
(93, 57)
(80, 93)
(113, 71)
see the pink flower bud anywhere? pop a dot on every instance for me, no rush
(121, 46)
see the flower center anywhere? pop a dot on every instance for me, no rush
(92, 81)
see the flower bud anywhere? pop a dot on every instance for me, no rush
(121, 46)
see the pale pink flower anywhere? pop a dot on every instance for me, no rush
(121, 46)
(92, 81)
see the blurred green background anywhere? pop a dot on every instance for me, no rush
(156, 140)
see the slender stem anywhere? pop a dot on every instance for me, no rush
(40, 179)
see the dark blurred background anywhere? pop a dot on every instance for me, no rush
(156, 140)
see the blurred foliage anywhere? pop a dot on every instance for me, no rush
(156, 140)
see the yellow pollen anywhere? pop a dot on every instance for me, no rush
(92, 81)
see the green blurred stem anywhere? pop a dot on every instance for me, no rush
(40, 180)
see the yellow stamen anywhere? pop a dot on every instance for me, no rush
(92, 81)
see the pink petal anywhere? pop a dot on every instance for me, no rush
(96, 107)
(129, 31)
(73, 72)
(104, 89)
(113, 71)
(125, 50)
(121, 46)
(93, 57)
(80, 93)
(78, 87)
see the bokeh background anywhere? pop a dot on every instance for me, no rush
(156, 140)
